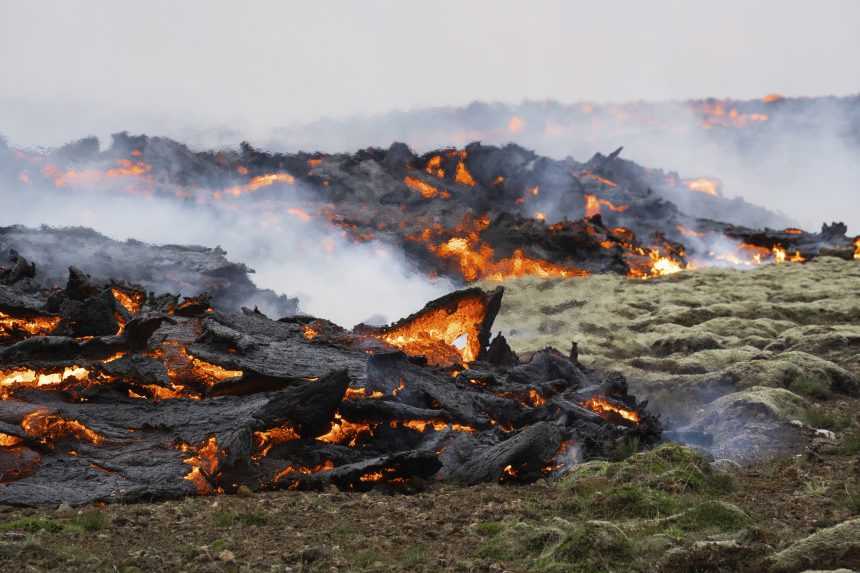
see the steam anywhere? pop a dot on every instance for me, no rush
(333, 278)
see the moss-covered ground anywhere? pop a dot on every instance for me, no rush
(795, 329)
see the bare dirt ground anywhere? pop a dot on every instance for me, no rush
(793, 329)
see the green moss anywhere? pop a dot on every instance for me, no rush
(94, 520)
(672, 468)
(851, 443)
(32, 524)
(713, 515)
(592, 546)
(560, 546)
(227, 518)
(819, 417)
(489, 528)
(628, 501)
(812, 388)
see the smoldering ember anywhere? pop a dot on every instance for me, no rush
(115, 388)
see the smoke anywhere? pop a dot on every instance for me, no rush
(333, 278)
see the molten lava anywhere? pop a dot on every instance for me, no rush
(309, 332)
(604, 407)
(30, 377)
(130, 300)
(475, 260)
(463, 176)
(264, 441)
(259, 182)
(204, 464)
(424, 425)
(7, 441)
(593, 205)
(781, 256)
(183, 369)
(33, 326)
(443, 335)
(598, 178)
(705, 185)
(425, 189)
(434, 167)
(50, 428)
(285, 473)
(346, 433)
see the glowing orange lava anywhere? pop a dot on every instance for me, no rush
(323, 467)
(259, 182)
(434, 167)
(444, 335)
(264, 441)
(705, 185)
(463, 176)
(425, 189)
(204, 464)
(34, 326)
(130, 300)
(593, 205)
(345, 432)
(604, 407)
(49, 428)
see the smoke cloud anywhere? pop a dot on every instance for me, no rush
(333, 278)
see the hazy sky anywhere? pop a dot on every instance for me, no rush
(274, 62)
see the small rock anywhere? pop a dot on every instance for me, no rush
(826, 434)
(244, 491)
(65, 509)
(226, 555)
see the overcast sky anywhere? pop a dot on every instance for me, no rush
(275, 62)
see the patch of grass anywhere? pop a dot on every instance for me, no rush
(671, 468)
(367, 557)
(589, 547)
(498, 548)
(713, 515)
(819, 417)
(633, 501)
(32, 524)
(226, 518)
(812, 388)
(94, 520)
(414, 556)
(489, 528)
(851, 443)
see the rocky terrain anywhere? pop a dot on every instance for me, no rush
(756, 370)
